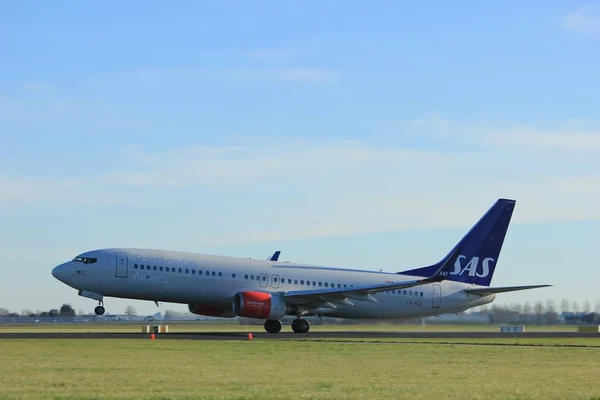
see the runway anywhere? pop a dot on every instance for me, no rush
(291, 335)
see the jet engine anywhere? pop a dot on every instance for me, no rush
(211, 310)
(259, 305)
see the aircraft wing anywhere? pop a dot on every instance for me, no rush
(327, 297)
(493, 290)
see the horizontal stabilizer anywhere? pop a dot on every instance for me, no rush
(493, 290)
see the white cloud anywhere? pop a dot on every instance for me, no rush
(562, 141)
(37, 108)
(31, 189)
(291, 161)
(283, 75)
(300, 189)
(585, 20)
(345, 188)
(195, 75)
(59, 191)
(573, 135)
(271, 54)
(37, 87)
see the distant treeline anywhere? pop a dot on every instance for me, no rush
(64, 311)
(539, 311)
(542, 312)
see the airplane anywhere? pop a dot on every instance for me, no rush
(269, 290)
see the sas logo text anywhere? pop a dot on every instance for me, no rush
(473, 267)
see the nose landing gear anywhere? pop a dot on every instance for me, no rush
(99, 310)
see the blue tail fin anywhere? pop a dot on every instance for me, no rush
(479, 249)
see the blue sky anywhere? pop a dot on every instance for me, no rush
(355, 134)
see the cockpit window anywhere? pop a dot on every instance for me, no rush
(85, 260)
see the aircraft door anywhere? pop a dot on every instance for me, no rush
(275, 281)
(264, 280)
(437, 296)
(121, 271)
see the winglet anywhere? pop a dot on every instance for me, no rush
(275, 256)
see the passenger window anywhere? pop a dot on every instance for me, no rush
(264, 278)
(167, 269)
(314, 283)
(160, 268)
(295, 281)
(220, 274)
(245, 276)
(274, 279)
(302, 282)
(326, 284)
(339, 285)
(252, 277)
(154, 268)
(421, 294)
(179, 270)
(233, 276)
(213, 273)
(187, 271)
(290, 281)
(193, 272)
(134, 266)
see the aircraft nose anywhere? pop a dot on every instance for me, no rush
(59, 272)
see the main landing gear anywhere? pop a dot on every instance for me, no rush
(273, 326)
(300, 325)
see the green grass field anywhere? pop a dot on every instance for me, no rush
(301, 368)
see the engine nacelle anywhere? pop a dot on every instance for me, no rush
(211, 310)
(259, 305)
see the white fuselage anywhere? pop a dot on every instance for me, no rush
(212, 281)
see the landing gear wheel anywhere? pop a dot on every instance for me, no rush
(273, 326)
(99, 310)
(300, 326)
